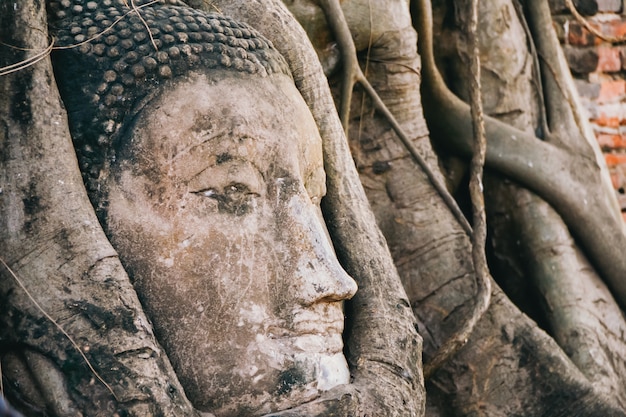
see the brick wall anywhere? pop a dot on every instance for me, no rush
(599, 70)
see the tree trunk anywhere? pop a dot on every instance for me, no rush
(577, 309)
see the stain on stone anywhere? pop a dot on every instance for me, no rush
(21, 81)
(319, 288)
(224, 157)
(32, 206)
(287, 380)
(103, 359)
(524, 356)
(39, 332)
(369, 144)
(287, 186)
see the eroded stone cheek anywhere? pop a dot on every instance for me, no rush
(237, 205)
(253, 314)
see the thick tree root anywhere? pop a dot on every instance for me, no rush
(352, 74)
(563, 170)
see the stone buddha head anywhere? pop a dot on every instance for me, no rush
(205, 167)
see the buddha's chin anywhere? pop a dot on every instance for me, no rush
(305, 379)
(326, 370)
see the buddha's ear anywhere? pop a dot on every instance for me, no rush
(64, 293)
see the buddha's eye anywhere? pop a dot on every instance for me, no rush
(237, 188)
(208, 192)
(235, 198)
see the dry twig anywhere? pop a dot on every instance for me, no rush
(581, 19)
(27, 62)
(136, 10)
(42, 54)
(353, 74)
(479, 235)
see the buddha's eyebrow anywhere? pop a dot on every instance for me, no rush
(212, 137)
(246, 173)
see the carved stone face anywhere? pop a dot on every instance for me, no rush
(214, 210)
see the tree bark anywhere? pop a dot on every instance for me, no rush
(51, 240)
(577, 307)
(566, 160)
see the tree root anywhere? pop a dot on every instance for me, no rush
(479, 235)
(581, 19)
(352, 74)
(52, 249)
(58, 326)
(565, 170)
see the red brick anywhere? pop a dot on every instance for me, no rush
(611, 90)
(605, 141)
(622, 53)
(581, 60)
(611, 142)
(579, 36)
(619, 142)
(605, 121)
(615, 28)
(609, 59)
(608, 111)
(587, 89)
(613, 159)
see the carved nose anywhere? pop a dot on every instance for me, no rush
(332, 283)
(324, 278)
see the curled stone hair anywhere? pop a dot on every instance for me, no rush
(103, 78)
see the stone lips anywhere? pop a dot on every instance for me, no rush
(102, 78)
